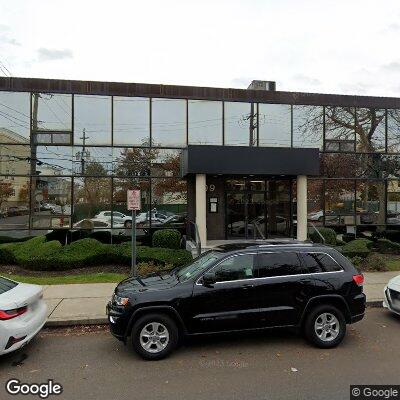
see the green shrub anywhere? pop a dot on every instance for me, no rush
(7, 253)
(358, 247)
(328, 234)
(348, 237)
(167, 238)
(386, 246)
(356, 260)
(390, 234)
(374, 262)
(9, 239)
(37, 254)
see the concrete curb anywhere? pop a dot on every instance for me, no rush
(103, 320)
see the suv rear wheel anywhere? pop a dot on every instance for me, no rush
(154, 336)
(325, 326)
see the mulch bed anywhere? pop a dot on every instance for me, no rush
(17, 270)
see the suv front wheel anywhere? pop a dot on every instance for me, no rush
(325, 326)
(154, 336)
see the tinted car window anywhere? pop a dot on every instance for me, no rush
(278, 264)
(235, 268)
(320, 262)
(6, 285)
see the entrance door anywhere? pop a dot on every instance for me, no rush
(257, 209)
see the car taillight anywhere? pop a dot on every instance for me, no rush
(8, 314)
(358, 279)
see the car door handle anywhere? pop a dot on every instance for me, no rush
(247, 286)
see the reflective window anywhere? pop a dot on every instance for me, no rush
(315, 201)
(274, 125)
(92, 120)
(14, 202)
(53, 160)
(370, 130)
(205, 122)
(370, 203)
(393, 202)
(168, 122)
(337, 165)
(166, 163)
(235, 268)
(14, 117)
(168, 202)
(91, 197)
(339, 128)
(393, 134)
(51, 112)
(93, 161)
(133, 161)
(121, 216)
(131, 121)
(319, 262)
(52, 201)
(308, 126)
(278, 264)
(339, 202)
(239, 117)
(14, 159)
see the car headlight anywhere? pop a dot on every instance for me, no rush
(120, 301)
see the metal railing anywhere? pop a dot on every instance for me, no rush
(192, 233)
(318, 232)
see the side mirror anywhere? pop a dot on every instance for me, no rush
(209, 279)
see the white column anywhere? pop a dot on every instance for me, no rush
(302, 208)
(201, 207)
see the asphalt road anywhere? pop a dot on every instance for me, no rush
(268, 365)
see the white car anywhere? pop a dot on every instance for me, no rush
(97, 224)
(23, 313)
(118, 218)
(392, 295)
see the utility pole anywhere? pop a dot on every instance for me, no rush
(33, 158)
(83, 154)
(252, 126)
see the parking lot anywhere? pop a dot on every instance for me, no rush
(278, 365)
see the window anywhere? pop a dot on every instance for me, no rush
(320, 262)
(205, 122)
(274, 121)
(278, 264)
(238, 117)
(308, 124)
(370, 129)
(131, 121)
(168, 122)
(235, 268)
(340, 129)
(6, 285)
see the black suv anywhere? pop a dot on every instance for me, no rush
(240, 287)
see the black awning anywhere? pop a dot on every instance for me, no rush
(241, 160)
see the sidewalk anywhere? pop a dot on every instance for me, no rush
(86, 303)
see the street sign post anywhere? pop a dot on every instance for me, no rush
(133, 204)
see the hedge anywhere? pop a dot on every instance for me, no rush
(328, 234)
(374, 262)
(358, 247)
(392, 235)
(386, 246)
(167, 238)
(38, 254)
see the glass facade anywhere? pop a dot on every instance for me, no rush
(66, 158)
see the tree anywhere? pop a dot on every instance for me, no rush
(6, 191)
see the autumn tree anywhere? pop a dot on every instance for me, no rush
(6, 191)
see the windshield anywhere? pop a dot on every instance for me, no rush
(200, 264)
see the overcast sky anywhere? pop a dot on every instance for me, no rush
(338, 46)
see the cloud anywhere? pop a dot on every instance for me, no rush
(54, 54)
(392, 28)
(393, 66)
(4, 39)
(306, 80)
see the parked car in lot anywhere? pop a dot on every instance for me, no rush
(93, 224)
(240, 287)
(392, 295)
(117, 217)
(23, 313)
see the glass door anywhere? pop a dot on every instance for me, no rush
(236, 215)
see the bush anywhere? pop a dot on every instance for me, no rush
(374, 262)
(357, 260)
(37, 254)
(358, 247)
(328, 234)
(348, 237)
(386, 246)
(9, 239)
(167, 238)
